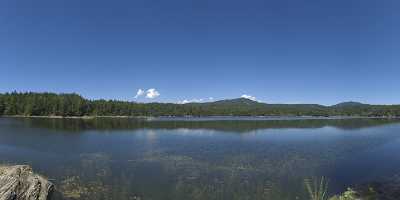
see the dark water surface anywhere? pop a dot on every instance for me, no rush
(208, 158)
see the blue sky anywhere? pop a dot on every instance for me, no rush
(283, 51)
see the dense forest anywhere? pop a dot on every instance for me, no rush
(51, 104)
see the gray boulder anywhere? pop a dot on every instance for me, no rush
(20, 183)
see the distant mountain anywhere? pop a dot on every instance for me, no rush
(238, 101)
(52, 104)
(349, 104)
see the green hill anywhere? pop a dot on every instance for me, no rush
(349, 104)
(51, 104)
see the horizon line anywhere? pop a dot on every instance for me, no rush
(180, 102)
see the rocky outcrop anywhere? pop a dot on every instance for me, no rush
(20, 183)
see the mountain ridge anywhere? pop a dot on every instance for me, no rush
(349, 103)
(52, 104)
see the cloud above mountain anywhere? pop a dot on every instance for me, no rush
(249, 97)
(196, 100)
(139, 93)
(152, 93)
(149, 94)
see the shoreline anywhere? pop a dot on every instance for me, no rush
(280, 117)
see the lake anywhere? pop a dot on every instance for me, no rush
(201, 158)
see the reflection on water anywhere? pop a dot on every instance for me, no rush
(201, 159)
(228, 124)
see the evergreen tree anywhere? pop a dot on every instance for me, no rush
(50, 104)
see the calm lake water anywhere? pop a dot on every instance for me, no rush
(207, 158)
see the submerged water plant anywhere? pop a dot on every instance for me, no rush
(350, 194)
(317, 188)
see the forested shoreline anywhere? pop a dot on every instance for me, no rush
(74, 105)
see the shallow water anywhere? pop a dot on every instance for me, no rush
(207, 158)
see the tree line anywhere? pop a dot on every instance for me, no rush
(52, 104)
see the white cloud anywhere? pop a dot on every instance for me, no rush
(249, 97)
(139, 93)
(190, 101)
(184, 101)
(195, 100)
(152, 93)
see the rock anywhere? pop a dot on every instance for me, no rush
(20, 183)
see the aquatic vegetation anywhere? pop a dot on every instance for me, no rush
(350, 194)
(317, 189)
(71, 188)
